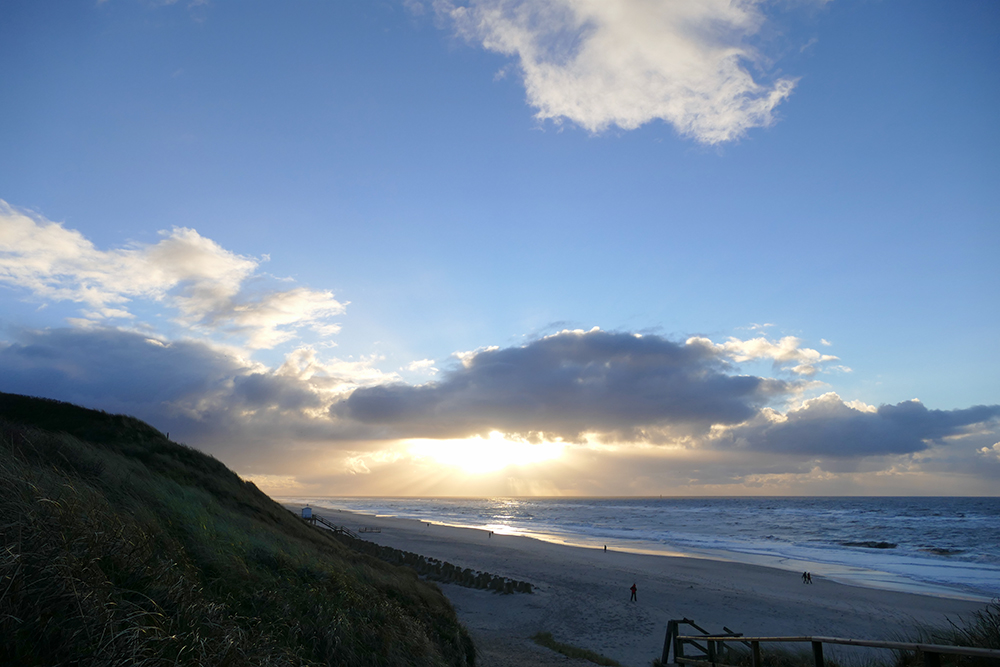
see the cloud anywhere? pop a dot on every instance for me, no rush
(569, 384)
(652, 416)
(628, 62)
(991, 451)
(827, 426)
(422, 366)
(200, 392)
(786, 353)
(211, 289)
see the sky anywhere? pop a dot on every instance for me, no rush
(515, 247)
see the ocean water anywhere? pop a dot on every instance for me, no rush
(943, 546)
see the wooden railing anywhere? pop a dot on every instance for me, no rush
(340, 530)
(708, 650)
(712, 645)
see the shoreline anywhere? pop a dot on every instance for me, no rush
(850, 574)
(582, 598)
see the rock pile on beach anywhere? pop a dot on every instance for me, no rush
(436, 570)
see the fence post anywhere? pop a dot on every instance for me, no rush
(711, 652)
(668, 640)
(818, 653)
(755, 652)
(932, 659)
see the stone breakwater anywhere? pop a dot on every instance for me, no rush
(436, 570)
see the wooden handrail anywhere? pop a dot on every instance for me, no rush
(316, 518)
(873, 643)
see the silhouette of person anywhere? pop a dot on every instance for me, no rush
(633, 589)
(809, 577)
(805, 577)
(605, 548)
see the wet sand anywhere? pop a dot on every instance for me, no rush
(582, 596)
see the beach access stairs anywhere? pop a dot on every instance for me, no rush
(715, 649)
(337, 530)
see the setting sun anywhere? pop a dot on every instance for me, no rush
(478, 455)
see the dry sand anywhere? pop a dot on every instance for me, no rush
(582, 596)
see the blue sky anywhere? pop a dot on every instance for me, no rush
(320, 211)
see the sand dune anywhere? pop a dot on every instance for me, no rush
(582, 596)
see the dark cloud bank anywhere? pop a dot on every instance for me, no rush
(623, 385)
(568, 384)
(827, 427)
(617, 385)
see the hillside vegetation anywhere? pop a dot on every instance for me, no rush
(121, 547)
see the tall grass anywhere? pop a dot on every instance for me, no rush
(981, 629)
(134, 550)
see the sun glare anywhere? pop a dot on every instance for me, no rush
(479, 455)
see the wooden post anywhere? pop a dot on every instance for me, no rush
(755, 652)
(711, 651)
(818, 653)
(932, 659)
(668, 640)
(678, 648)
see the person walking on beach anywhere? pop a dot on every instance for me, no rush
(805, 577)
(809, 577)
(633, 589)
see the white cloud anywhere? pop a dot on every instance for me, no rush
(422, 366)
(625, 63)
(786, 353)
(211, 288)
(991, 451)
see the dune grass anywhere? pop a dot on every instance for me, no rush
(981, 629)
(545, 639)
(121, 547)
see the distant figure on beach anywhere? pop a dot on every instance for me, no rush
(809, 577)
(805, 577)
(605, 548)
(633, 589)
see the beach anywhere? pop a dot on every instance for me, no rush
(581, 595)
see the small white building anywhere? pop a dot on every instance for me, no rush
(307, 512)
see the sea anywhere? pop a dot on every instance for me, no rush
(947, 547)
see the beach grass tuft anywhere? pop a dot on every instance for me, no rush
(545, 639)
(981, 629)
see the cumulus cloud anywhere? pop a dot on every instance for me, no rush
(422, 366)
(827, 426)
(625, 63)
(210, 288)
(786, 353)
(993, 451)
(569, 384)
(652, 416)
(195, 390)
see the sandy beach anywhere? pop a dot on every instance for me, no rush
(582, 596)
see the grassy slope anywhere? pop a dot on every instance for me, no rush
(121, 547)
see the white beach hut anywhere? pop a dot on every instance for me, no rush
(307, 512)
